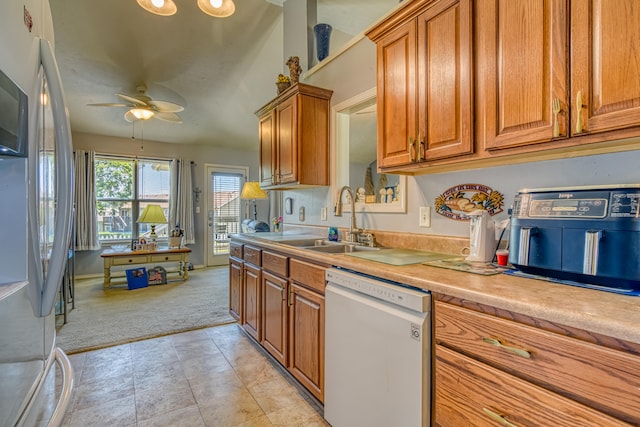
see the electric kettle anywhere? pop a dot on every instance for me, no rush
(482, 243)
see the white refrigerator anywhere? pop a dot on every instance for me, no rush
(36, 170)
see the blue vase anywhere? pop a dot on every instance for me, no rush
(323, 37)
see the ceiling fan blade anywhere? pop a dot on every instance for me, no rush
(138, 101)
(166, 107)
(168, 117)
(108, 104)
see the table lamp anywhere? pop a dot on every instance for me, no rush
(252, 191)
(152, 214)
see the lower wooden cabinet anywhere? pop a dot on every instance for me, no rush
(275, 316)
(252, 296)
(496, 367)
(235, 288)
(471, 393)
(306, 337)
(282, 307)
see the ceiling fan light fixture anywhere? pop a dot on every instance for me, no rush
(225, 8)
(141, 113)
(159, 7)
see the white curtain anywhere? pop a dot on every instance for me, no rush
(181, 203)
(86, 220)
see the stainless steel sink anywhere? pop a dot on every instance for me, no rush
(341, 248)
(303, 242)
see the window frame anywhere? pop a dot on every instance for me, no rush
(136, 201)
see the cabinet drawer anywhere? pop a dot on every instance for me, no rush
(600, 377)
(470, 393)
(235, 250)
(252, 254)
(309, 275)
(140, 259)
(165, 258)
(275, 263)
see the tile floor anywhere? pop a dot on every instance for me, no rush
(209, 377)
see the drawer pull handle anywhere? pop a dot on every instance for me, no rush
(579, 107)
(497, 417)
(516, 351)
(411, 145)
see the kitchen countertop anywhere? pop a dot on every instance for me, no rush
(606, 313)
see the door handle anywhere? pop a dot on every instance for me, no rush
(412, 143)
(523, 246)
(591, 251)
(579, 105)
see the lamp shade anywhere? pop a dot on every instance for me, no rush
(142, 113)
(159, 7)
(252, 190)
(152, 214)
(217, 8)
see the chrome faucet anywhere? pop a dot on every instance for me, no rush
(354, 231)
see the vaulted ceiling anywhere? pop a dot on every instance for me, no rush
(220, 69)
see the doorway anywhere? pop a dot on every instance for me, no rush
(224, 207)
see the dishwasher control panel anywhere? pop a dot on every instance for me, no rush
(385, 290)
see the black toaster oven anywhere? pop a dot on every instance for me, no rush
(589, 235)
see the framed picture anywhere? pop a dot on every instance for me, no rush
(134, 244)
(157, 276)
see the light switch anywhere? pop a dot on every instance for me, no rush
(323, 214)
(425, 216)
(301, 213)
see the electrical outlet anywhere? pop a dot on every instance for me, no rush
(323, 214)
(425, 216)
(197, 209)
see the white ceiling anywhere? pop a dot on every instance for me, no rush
(220, 70)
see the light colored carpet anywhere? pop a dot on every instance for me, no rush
(103, 318)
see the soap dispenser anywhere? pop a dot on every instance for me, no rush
(482, 243)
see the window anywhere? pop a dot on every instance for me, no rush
(124, 186)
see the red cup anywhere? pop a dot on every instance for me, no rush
(503, 256)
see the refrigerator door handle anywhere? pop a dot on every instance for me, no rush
(64, 167)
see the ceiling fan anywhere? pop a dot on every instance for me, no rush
(142, 107)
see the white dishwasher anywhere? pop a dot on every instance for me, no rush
(377, 352)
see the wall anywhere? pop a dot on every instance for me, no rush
(89, 262)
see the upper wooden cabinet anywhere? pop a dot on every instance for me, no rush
(549, 70)
(521, 71)
(424, 83)
(605, 70)
(497, 81)
(294, 138)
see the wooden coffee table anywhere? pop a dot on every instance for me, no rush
(133, 258)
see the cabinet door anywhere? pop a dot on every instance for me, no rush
(521, 48)
(306, 339)
(274, 316)
(445, 97)
(605, 65)
(266, 134)
(470, 393)
(252, 280)
(397, 106)
(235, 289)
(287, 150)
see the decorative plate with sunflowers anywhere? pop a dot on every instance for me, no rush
(461, 199)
